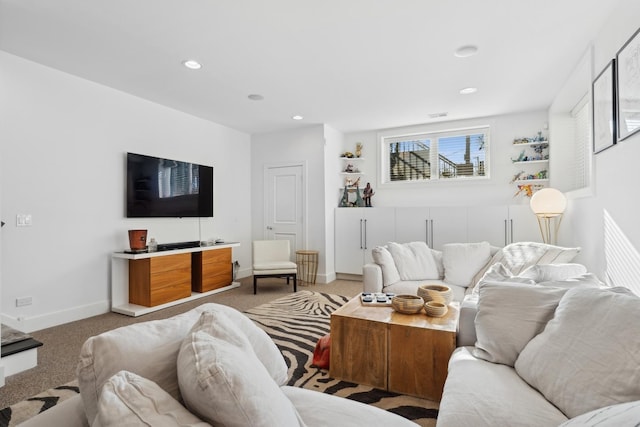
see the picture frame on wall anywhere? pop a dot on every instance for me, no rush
(604, 117)
(628, 87)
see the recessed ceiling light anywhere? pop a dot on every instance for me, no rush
(192, 64)
(297, 117)
(466, 51)
(437, 115)
(255, 97)
(468, 90)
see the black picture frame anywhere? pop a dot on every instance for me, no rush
(604, 108)
(628, 87)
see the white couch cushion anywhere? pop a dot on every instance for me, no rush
(463, 260)
(587, 356)
(478, 393)
(383, 258)
(621, 415)
(128, 399)
(553, 272)
(414, 261)
(323, 410)
(509, 316)
(589, 280)
(227, 385)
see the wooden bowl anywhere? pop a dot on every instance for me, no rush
(438, 293)
(407, 304)
(435, 309)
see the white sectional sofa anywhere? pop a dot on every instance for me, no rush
(401, 267)
(208, 366)
(549, 347)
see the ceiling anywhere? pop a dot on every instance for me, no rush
(352, 64)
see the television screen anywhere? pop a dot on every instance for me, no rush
(168, 188)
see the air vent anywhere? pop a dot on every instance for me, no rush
(437, 115)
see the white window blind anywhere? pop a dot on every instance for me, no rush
(582, 144)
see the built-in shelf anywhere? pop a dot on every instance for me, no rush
(529, 144)
(531, 181)
(351, 173)
(530, 162)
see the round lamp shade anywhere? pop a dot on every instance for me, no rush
(548, 202)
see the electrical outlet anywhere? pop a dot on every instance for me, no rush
(21, 302)
(24, 220)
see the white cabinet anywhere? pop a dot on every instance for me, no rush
(357, 231)
(502, 225)
(435, 226)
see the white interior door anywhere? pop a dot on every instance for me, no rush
(284, 210)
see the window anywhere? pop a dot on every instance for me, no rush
(450, 155)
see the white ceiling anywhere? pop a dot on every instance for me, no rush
(352, 64)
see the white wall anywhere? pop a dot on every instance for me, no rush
(334, 142)
(496, 190)
(63, 143)
(616, 175)
(303, 145)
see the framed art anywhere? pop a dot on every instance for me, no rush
(628, 87)
(604, 117)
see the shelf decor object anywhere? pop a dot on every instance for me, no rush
(548, 204)
(628, 89)
(604, 122)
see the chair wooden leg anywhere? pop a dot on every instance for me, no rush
(255, 287)
(295, 283)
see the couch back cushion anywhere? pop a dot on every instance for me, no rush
(587, 356)
(463, 260)
(414, 261)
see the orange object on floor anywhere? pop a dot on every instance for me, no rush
(321, 354)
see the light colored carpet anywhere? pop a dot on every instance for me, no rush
(58, 357)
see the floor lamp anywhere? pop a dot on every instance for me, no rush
(548, 204)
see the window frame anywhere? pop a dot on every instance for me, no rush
(390, 137)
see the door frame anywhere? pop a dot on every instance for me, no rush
(304, 184)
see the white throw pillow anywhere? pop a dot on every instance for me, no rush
(621, 415)
(463, 260)
(553, 272)
(509, 316)
(242, 332)
(383, 258)
(226, 385)
(414, 261)
(586, 280)
(128, 399)
(587, 356)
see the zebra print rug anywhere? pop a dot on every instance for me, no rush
(296, 322)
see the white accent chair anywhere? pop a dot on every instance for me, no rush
(272, 258)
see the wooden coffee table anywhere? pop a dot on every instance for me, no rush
(403, 353)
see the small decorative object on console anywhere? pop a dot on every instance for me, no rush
(407, 304)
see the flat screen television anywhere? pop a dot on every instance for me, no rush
(159, 187)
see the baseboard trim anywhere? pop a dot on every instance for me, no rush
(30, 324)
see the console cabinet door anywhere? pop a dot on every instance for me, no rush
(489, 224)
(448, 225)
(413, 225)
(349, 241)
(523, 225)
(379, 229)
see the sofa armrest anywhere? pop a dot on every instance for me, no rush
(69, 413)
(467, 321)
(372, 278)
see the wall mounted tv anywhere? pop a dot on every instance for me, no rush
(168, 188)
